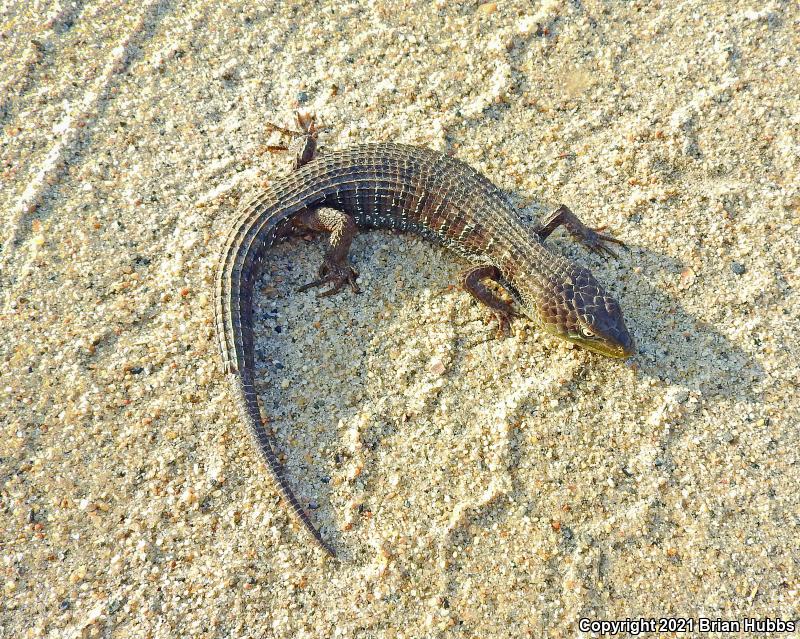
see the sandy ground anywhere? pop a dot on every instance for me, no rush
(475, 487)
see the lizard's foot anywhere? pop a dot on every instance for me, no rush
(337, 275)
(597, 242)
(307, 122)
(504, 318)
(591, 238)
(305, 147)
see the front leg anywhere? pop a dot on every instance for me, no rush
(335, 269)
(589, 237)
(474, 286)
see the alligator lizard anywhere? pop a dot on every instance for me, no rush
(395, 186)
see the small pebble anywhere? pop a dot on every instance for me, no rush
(436, 367)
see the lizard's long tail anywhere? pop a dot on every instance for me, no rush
(247, 403)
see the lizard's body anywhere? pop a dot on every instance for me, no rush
(420, 191)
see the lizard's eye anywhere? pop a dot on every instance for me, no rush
(586, 332)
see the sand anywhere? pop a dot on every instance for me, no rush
(474, 487)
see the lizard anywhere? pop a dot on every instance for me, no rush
(386, 185)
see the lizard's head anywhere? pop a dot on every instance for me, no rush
(576, 308)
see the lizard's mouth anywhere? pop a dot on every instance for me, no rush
(619, 351)
(617, 346)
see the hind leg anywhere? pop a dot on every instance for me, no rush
(304, 146)
(341, 229)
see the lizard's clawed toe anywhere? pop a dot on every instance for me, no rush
(337, 276)
(504, 322)
(598, 242)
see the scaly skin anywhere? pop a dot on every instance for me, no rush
(393, 186)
